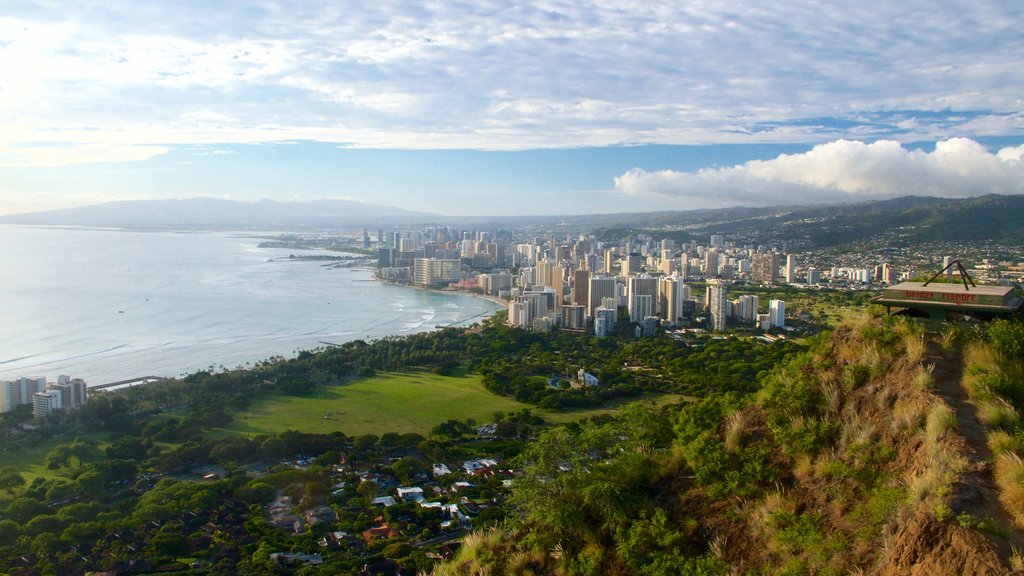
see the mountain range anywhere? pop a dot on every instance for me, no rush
(220, 213)
(909, 219)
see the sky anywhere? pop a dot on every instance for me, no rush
(509, 108)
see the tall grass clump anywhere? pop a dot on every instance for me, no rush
(914, 344)
(998, 413)
(735, 428)
(924, 380)
(1002, 442)
(1009, 473)
(940, 420)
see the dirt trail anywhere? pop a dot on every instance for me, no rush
(976, 493)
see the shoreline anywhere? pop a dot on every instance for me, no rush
(501, 303)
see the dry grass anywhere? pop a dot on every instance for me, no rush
(924, 381)
(735, 428)
(922, 485)
(915, 346)
(998, 413)
(772, 504)
(941, 419)
(1009, 474)
(1016, 559)
(1000, 442)
(803, 468)
(480, 551)
(909, 414)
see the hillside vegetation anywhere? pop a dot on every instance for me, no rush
(847, 460)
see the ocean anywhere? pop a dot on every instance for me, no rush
(111, 305)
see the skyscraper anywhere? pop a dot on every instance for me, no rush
(581, 287)
(790, 268)
(777, 314)
(718, 305)
(765, 268)
(600, 287)
(670, 299)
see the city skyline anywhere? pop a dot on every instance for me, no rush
(538, 108)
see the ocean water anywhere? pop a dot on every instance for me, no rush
(110, 305)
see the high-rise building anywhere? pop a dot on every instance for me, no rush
(718, 305)
(14, 393)
(640, 307)
(544, 270)
(604, 321)
(746, 309)
(717, 241)
(581, 287)
(711, 264)
(947, 262)
(645, 285)
(573, 317)
(631, 264)
(889, 275)
(813, 276)
(609, 261)
(790, 269)
(777, 314)
(72, 391)
(670, 299)
(45, 403)
(432, 271)
(765, 268)
(600, 287)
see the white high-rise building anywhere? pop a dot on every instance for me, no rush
(718, 305)
(777, 314)
(45, 403)
(670, 299)
(790, 270)
(747, 307)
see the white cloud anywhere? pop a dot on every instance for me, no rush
(451, 74)
(841, 171)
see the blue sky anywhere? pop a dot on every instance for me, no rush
(498, 108)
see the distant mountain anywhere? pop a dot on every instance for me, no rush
(899, 221)
(218, 213)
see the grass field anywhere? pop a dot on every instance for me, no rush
(31, 462)
(394, 402)
(388, 402)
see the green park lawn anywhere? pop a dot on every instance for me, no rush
(400, 402)
(387, 402)
(31, 461)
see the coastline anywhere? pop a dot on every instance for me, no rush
(227, 304)
(501, 303)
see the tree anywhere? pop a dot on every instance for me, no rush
(406, 468)
(8, 530)
(10, 479)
